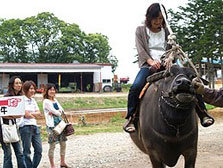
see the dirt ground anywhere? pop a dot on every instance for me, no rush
(116, 150)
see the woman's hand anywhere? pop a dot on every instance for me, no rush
(8, 117)
(28, 115)
(153, 63)
(50, 113)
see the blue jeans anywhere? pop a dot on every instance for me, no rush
(31, 134)
(135, 89)
(8, 155)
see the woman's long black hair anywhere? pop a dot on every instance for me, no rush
(11, 90)
(153, 12)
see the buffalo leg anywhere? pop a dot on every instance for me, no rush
(156, 163)
(190, 159)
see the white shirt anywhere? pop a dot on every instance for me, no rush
(48, 107)
(157, 43)
(31, 106)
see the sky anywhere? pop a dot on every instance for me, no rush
(117, 19)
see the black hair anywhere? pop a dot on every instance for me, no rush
(153, 12)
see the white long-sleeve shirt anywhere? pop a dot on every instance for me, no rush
(48, 107)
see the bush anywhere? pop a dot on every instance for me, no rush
(126, 87)
(65, 90)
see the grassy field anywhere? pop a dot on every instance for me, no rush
(89, 102)
(115, 123)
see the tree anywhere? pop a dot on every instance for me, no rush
(199, 29)
(45, 38)
(12, 43)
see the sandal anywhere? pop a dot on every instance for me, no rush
(207, 121)
(64, 166)
(129, 126)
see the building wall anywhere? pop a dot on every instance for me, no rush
(42, 79)
(4, 80)
(41, 74)
(106, 76)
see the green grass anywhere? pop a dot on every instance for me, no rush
(114, 125)
(126, 87)
(210, 107)
(89, 103)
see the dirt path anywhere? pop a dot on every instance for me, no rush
(116, 150)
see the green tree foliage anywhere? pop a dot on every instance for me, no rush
(46, 39)
(12, 42)
(199, 28)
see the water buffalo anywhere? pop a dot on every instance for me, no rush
(167, 126)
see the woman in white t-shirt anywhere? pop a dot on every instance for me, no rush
(151, 44)
(29, 131)
(52, 111)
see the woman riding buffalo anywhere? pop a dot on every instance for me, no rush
(151, 44)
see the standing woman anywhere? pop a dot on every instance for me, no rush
(52, 111)
(29, 131)
(14, 89)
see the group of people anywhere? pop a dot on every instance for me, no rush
(28, 129)
(151, 44)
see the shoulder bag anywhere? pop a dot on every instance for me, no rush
(60, 127)
(69, 129)
(9, 132)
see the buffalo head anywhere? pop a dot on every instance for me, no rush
(178, 85)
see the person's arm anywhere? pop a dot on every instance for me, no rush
(213, 97)
(36, 113)
(33, 114)
(28, 114)
(13, 117)
(139, 38)
(210, 96)
(8, 117)
(154, 63)
(51, 110)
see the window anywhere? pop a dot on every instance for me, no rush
(106, 80)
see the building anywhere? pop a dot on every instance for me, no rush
(84, 77)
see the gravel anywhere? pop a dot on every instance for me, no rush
(116, 150)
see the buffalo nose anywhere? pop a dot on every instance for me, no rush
(183, 81)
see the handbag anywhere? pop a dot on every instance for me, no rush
(69, 129)
(59, 127)
(9, 133)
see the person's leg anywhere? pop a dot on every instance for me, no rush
(135, 89)
(133, 97)
(7, 163)
(37, 145)
(18, 153)
(51, 154)
(205, 119)
(26, 136)
(62, 154)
